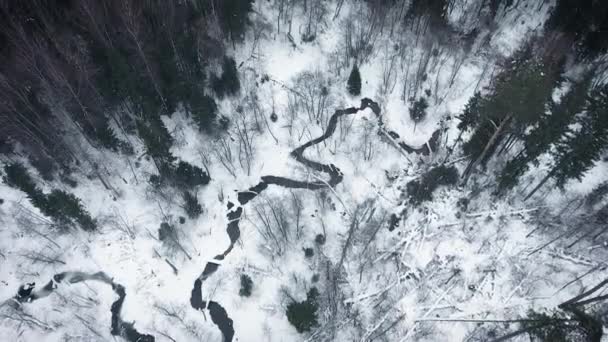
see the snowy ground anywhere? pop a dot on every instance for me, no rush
(440, 263)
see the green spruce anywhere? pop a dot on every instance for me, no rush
(354, 82)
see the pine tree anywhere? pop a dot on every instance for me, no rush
(471, 114)
(204, 112)
(436, 10)
(106, 136)
(189, 176)
(230, 76)
(421, 190)
(62, 207)
(549, 130)
(354, 82)
(597, 194)
(246, 285)
(418, 109)
(191, 205)
(581, 152)
(516, 100)
(303, 315)
(166, 232)
(234, 16)
(18, 177)
(583, 146)
(158, 142)
(584, 20)
(228, 83)
(67, 209)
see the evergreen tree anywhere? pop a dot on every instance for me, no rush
(354, 82)
(580, 153)
(5, 146)
(418, 109)
(583, 20)
(421, 190)
(597, 195)
(166, 232)
(550, 128)
(191, 205)
(104, 134)
(234, 16)
(303, 315)
(189, 176)
(204, 112)
(158, 142)
(228, 83)
(67, 209)
(582, 146)
(470, 115)
(246, 285)
(62, 207)
(517, 99)
(436, 10)
(16, 176)
(230, 76)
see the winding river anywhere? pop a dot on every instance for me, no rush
(218, 314)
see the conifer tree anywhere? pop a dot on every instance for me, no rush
(16, 176)
(234, 16)
(189, 176)
(66, 208)
(204, 112)
(158, 142)
(549, 130)
(303, 315)
(191, 205)
(584, 20)
(597, 194)
(354, 82)
(582, 146)
(62, 207)
(230, 76)
(516, 100)
(228, 83)
(470, 115)
(246, 285)
(421, 190)
(418, 109)
(581, 152)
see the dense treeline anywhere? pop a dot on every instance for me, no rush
(105, 72)
(536, 105)
(109, 69)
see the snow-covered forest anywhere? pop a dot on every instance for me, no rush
(304, 170)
